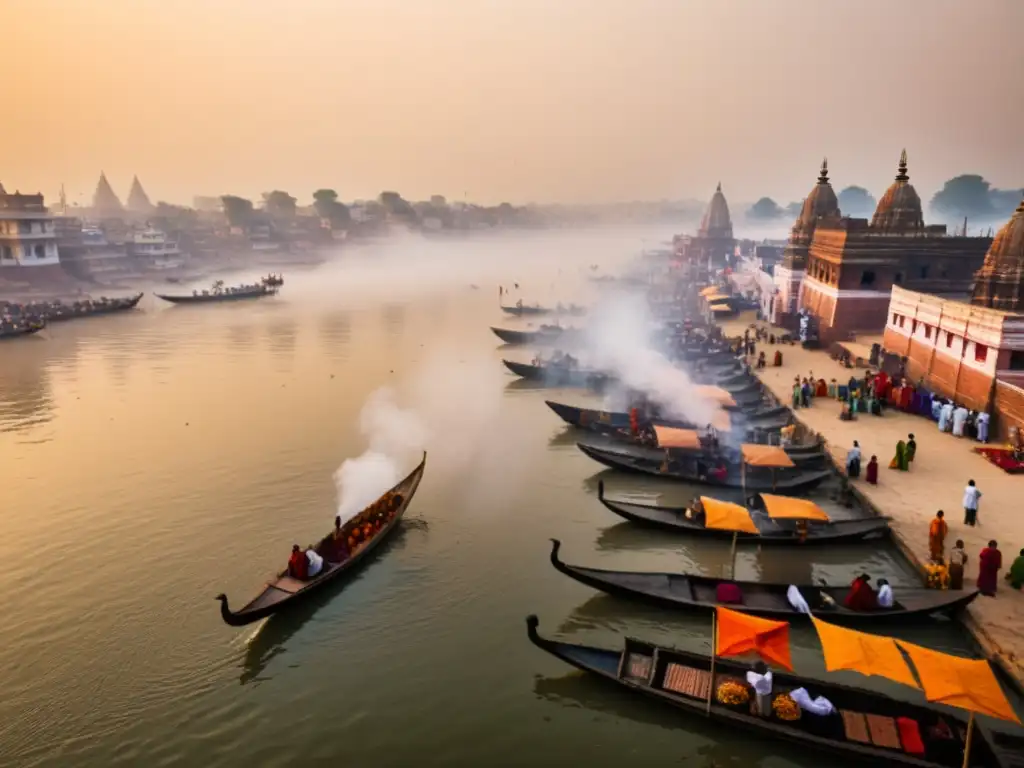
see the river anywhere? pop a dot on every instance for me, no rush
(155, 459)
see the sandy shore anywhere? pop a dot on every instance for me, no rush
(936, 480)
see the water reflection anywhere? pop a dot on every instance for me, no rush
(282, 335)
(241, 337)
(26, 397)
(335, 332)
(394, 319)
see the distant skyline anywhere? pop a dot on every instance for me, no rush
(576, 101)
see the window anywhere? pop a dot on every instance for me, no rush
(6, 252)
(902, 318)
(949, 339)
(924, 272)
(895, 318)
(867, 278)
(913, 326)
(40, 252)
(980, 353)
(927, 331)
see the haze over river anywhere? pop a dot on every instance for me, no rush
(153, 460)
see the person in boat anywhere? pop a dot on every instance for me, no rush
(796, 599)
(760, 679)
(861, 597)
(298, 564)
(339, 542)
(695, 511)
(801, 531)
(885, 597)
(316, 563)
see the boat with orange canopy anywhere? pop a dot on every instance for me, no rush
(870, 727)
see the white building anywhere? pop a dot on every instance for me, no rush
(27, 234)
(153, 245)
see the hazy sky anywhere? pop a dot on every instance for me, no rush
(518, 100)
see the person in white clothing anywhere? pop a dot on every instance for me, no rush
(316, 563)
(818, 706)
(982, 422)
(959, 419)
(760, 679)
(797, 600)
(971, 498)
(884, 597)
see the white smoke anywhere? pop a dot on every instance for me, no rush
(618, 340)
(397, 438)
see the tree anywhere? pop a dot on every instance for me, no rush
(396, 205)
(238, 210)
(856, 202)
(325, 201)
(966, 195)
(438, 201)
(278, 203)
(794, 209)
(765, 208)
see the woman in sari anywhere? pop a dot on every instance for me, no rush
(1016, 573)
(989, 563)
(937, 537)
(899, 461)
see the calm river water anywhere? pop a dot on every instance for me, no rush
(153, 460)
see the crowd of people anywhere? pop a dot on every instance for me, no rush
(16, 316)
(345, 540)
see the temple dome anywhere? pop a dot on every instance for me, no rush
(998, 283)
(822, 202)
(900, 206)
(716, 222)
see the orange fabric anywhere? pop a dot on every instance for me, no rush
(720, 308)
(788, 508)
(765, 456)
(965, 683)
(726, 516)
(719, 395)
(739, 633)
(860, 652)
(711, 289)
(670, 437)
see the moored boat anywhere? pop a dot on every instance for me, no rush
(559, 374)
(693, 592)
(220, 293)
(769, 531)
(766, 419)
(14, 330)
(284, 591)
(864, 728)
(546, 334)
(520, 309)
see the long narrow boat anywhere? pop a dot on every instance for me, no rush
(209, 297)
(284, 591)
(769, 531)
(699, 593)
(766, 420)
(27, 328)
(59, 311)
(864, 728)
(546, 334)
(524, 309)
(690, 467)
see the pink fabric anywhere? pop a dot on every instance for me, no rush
(729, 594)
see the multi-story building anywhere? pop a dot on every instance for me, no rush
(27, 234)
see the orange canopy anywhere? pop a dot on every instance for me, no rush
(720, 307)
(670, 437)
(719, 395)
(721, 421)
(710, 290)
(739, 633)
(726, 516)
(860, 652)
(788, 508)
(965, 683)
(765, 455)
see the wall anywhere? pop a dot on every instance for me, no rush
(1009, 409)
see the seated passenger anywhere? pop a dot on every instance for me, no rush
(885, 598)
(298, 565)
(719, 473)
(760, 679)
(797, 600)
(862, 596)
(316, 563)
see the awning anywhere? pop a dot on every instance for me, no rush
(726, 516)
(860, 652)
(788, 508)
(719, 395)
(713, 298)
(720, 308)
(710, 290)
(739, 633)
(765, 455)
(965, 683)
(670, 437)
(721, 421)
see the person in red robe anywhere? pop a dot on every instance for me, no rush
(989, 563)
(906, 397)
(871, 473)
(298, 564)
(861, 597)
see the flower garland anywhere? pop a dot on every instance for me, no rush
(733, 693)
(937, 576)
(785, 708)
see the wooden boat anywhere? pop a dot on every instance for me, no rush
(769, 531)
(284, 591)
(59, 311)
(26, 329)
(765, 420)
(693, 467)
(546, 334)
(691, 592)
(864, 729)
(559, 375)
(232, 294)
(536, 309)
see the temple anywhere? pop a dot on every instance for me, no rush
(714, 244)
(104, 202)
(820, 204)
(138, 200)
(852, 265)
(970, 350)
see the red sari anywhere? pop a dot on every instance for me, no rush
(989, 563)
(862, 597)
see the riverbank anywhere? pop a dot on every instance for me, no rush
(936, 480)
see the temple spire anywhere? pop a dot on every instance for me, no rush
(719, 188)
(902, 175)
(823, 176)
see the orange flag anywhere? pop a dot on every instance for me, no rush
(739, 633)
